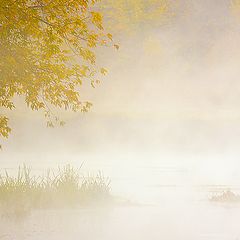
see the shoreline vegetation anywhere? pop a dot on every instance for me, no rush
(227, 196)
(66, 188)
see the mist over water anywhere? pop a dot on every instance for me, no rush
(164, 128)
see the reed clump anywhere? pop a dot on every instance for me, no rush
(21, 193)
(225, 196)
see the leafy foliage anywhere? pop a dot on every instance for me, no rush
(235, 7)
(4, 129)
(129, 15)
(47, 52)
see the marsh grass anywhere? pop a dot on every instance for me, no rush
(21, 193)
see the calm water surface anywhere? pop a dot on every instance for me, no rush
(164, 201)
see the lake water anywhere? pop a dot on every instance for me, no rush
(178, 214)
(162, 200)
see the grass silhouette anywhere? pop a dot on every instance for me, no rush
(66, 187)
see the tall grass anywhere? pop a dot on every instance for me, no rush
(23, 192)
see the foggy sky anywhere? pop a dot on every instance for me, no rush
(171, 90)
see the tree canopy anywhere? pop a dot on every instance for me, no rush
(48, 49)
(131, 15)
(47, 52)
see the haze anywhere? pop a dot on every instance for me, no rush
(167, 114)
(171, 98)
